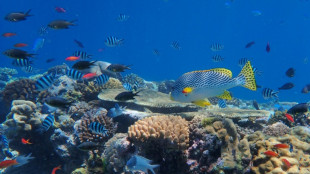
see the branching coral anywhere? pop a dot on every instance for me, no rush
(95, 115)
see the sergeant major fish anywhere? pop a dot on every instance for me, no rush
(82, 55)
(21, 62)
(102, 79)
(44, 82)
(96, 127)
(74, 74)
(47, 123)
(112, 41)
(211, 83)
(216, 47)
(269, 93)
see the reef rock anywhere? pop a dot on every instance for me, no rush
(147, 99)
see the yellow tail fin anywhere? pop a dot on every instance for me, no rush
(248, 75)
(226, 95)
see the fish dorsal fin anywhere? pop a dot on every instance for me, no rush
(226, 95)
(202, 103)
(141, 158)
(219, 70)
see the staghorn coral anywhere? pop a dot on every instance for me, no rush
(276, 129)
(23, 89)
(173, 130)
(116, 153)
(98, 115)
(113, 84)
(22, 117)
(164, 140)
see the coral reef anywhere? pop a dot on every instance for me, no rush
(89, 91)
(165, 86)
(134, 80)
(113, 84)
(116, 153)
(23, 89)
(95, 115)
(276, 129)
(22, 117)
(58, 70)
(162, 137)
(7, 73)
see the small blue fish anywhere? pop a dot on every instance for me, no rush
(47, 123)
(38, 44)
(44, 82)
(116, 111)
(4, 142)
(128, 87)
(291, 147)
(74, 74)
(102, 79)
(222, 103)
(98, 128)
(139, 163)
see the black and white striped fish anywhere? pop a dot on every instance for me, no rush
(47, 123)
(122, 17)
(243, 61)
(44, 82)
(269, 93)
(216, 47)
(217, 58)
(128, 87)
(28, 69)
(222, 103)
(4, 142)
(74, 74)
(21, 62)
(176, 45)
(112, 41)
(96, 127)
(82, 54)
(102, 79)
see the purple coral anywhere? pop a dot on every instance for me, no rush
(276, 129)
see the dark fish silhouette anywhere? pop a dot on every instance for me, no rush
(255, 104)
(17, 54)
(50, 60)
(287, 86)
(299, 108)
(80, 44)
(87, 146)
(305, 89)
(118, 67)
(17, 16)
(61, 24)
(58, 102)
(82, 65)
(268, 47)
(290, 72)
(127, 95)
(248, 45)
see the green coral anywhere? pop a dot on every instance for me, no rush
(208, 121)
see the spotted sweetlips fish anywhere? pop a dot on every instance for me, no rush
(197, 86)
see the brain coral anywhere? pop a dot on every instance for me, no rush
(171, 129)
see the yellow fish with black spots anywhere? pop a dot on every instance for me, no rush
(197, 86)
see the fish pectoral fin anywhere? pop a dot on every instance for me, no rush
(202, 103)
(226, 95)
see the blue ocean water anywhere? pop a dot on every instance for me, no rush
(155, 24)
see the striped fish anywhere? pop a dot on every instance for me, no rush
(28, 69)
(217, 58)
(128, 87)
(74, 74)
(4, 142)
(122, 17)
(102, 79)
(82, 54)
(176, 45)
(44, 82)
(47, 123)
(21, 62)
(222, 103)
(112, 41)
(243, 61)
(98, 128)
(269, 93)
(216, 47)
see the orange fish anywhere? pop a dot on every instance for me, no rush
(89, 75)
(279, 146)
(24, 141)
(72, 58)
(286, 162)
(7, 163)
(20, 45)
(8, 34)
(271, 153)
(289, 117)
(55, 168)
